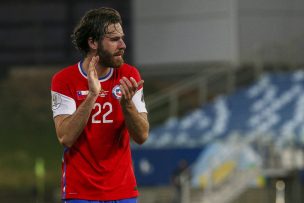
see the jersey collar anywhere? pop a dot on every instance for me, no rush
(101, 79)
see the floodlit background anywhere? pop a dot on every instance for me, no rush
(224, 86)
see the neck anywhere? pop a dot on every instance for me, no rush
(101, 71)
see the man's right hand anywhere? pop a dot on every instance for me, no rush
(69, 127)
(93, 82)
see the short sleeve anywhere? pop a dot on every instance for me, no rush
(138, 98)
(139, 102)
(62, 100)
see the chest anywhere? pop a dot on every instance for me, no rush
(106, 109)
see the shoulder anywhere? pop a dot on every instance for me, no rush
(126, 66)
(129, 69)
(66, 72)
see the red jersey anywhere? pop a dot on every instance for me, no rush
(98, 166)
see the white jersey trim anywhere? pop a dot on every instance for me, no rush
(62, 104)
(101, 79)
(139, 102)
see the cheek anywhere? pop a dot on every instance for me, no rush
(110, 51)
(110, 46)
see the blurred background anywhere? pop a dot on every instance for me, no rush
(224, 84)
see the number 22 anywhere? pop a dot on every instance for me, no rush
(104, 116)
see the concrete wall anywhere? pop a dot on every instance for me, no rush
(184, 31)
(237, 31)
(271, 30)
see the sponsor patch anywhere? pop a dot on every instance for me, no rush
(56, 100)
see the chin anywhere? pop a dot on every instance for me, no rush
(117, 64)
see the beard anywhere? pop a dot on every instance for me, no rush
(107, 59)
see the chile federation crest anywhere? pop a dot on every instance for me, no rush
(116, 92)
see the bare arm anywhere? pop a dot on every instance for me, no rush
(69, 127)
(137, 123)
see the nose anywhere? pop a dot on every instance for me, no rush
(122, 44)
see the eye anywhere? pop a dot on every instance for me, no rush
(115, 39)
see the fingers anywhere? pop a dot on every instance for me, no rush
(126, 88)
(93, 62)
(129, 87)
(135, 84)
(140, 83)
(92, 66)
(93, 82)
(92, 73)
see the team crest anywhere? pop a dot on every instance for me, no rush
(116, 92)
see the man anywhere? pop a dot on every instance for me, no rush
(97, 104)
(180, 174)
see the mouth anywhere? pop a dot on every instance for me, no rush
(120, 53)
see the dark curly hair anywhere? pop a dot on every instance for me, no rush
(94, 24)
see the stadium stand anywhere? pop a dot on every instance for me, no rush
(226, 137)
(271, 106)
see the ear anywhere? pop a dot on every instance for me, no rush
(92, 44)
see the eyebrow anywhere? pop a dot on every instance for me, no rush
(113, 35)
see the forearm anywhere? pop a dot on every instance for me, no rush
(69, 128)
(137, 123)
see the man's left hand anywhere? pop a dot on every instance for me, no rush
(128, 88)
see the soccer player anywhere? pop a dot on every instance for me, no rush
(97, 106)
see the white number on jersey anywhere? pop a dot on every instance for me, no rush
(107, 106)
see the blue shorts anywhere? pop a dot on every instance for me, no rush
(131, 200)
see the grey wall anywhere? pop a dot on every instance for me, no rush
(184, 31)
(271, 30)
(237, 31)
